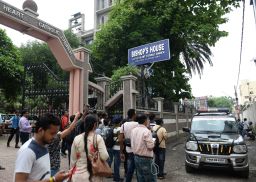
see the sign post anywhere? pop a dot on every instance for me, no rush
(149, 53)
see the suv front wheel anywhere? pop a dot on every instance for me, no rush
(244, 174)
(189, 169)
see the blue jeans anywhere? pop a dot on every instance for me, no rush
(117, 162)
(130, 167)
(110, 159)
(159, 160)
(144, 169)
(54, 171)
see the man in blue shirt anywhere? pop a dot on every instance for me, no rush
(15, 130)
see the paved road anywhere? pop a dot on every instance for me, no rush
(174, 165)
(176, 168)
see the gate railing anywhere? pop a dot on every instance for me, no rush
(112, 88)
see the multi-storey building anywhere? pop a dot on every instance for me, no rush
(247, 91)
(101, 14)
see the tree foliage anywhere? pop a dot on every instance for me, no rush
(192, 26)
(220, 102)
(38, 52)
(122, 71)
(10, 67)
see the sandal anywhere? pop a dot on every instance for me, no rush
(2, 168)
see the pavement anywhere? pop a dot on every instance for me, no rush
(8, 157)
(174, 164)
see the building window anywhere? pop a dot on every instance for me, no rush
(110, 2)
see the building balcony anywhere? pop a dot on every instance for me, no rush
(88, 33)
(104, 10)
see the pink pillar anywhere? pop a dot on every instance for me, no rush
(81, 55)
(76, 93)
(79, 78)
(71, 87)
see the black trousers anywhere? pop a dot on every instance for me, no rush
(24, 137)
(16, 132)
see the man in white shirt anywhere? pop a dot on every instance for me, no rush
(33, 161)
(125, 133)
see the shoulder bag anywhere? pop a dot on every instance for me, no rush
(99, 167)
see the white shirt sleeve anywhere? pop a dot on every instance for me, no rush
(25, 161)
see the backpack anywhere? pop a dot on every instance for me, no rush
(108, 136)
(157, 142)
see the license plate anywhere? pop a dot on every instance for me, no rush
(215, 160)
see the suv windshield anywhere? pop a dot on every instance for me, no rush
(216, 125)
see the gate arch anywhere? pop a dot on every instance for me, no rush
(74, 61)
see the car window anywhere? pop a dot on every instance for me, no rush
(214, 125)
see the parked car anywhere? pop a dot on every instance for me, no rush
(214, 142)
(3, 118)
(5, 123)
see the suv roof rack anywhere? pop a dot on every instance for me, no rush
(213, 110)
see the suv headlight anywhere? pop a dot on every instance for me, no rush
(240, 149)
(191, 146)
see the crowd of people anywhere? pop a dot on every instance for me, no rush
(245, 128)
(138, 140)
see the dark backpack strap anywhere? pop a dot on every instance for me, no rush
(158, 129)
(123, 129)
(157, 136)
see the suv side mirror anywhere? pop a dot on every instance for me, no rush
(185, 129)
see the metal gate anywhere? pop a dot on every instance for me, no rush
(43, 91)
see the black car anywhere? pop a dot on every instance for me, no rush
(214, 142)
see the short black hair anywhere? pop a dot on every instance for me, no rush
(63, 112)
(151, 116)
(141, 118)
(46, 120)
(71, 118)
(23, 112)
(159, 121)
(104, 114)
(245, 119)
(106, 122)
(130, 113)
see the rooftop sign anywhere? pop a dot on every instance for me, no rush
(149, 53)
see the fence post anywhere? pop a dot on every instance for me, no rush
(129, 94)
(177, 118)
(186, 113)
(102, 82)
(160, 103)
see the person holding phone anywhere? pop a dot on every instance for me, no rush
(33, 160)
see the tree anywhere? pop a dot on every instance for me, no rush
(123, 71)
(38, 52)
(10, 68)
(192, 26)
(221, 102)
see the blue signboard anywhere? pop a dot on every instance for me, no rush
(149, 53)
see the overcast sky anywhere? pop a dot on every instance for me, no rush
(217, 80)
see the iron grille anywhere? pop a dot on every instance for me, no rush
(218, 149)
